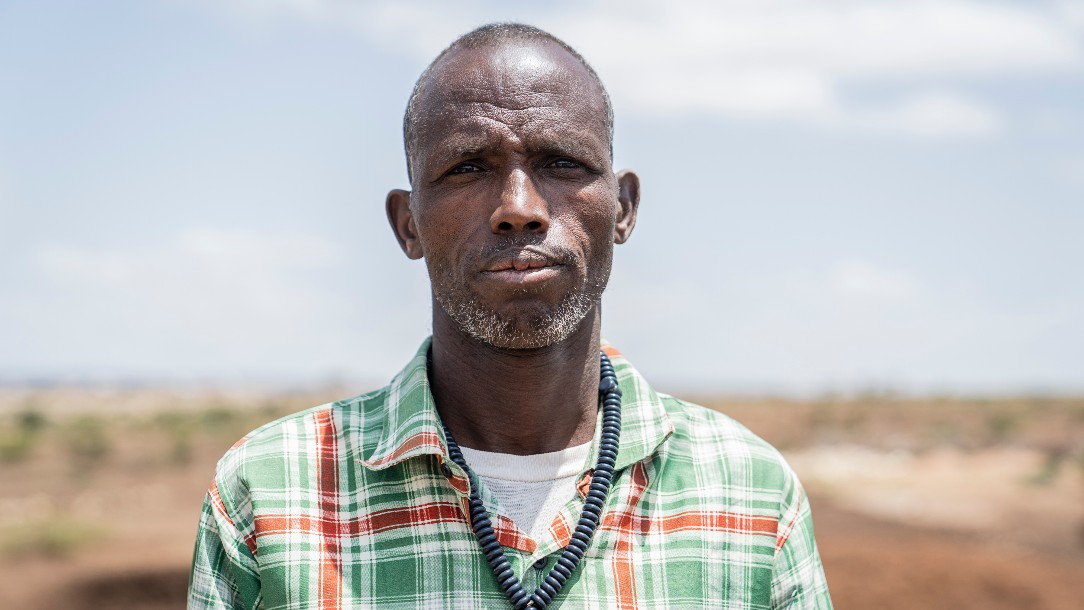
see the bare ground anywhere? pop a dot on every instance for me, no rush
(907, 515)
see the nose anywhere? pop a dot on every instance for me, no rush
(522, 208)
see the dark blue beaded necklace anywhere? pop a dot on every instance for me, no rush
(610, 397)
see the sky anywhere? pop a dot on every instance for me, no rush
(836, 196)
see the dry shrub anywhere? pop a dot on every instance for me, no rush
(53, 537)
(88, 442)
(17, 442)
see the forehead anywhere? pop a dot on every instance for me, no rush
(534, 87)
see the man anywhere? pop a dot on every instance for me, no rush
(485, 474)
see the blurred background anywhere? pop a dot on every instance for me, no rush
(860, 235)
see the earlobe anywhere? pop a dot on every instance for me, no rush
(628, 198)
(402, 223)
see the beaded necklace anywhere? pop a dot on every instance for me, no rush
(610, 397)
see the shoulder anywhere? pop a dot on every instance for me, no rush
(709, 429)
(263, 457)
(716, 442)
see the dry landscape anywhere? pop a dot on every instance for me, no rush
(918, 503)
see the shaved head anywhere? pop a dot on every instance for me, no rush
(493, 35)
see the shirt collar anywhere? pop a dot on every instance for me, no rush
(412, 427)
(644, 422)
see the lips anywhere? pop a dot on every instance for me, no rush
(522, 260)
(522, 266)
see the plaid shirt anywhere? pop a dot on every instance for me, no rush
(356, 504)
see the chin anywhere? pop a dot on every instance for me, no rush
(530, 327)
(521, 333)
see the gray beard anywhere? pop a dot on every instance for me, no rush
(485, 325)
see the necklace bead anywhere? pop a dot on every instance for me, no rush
(599, 489)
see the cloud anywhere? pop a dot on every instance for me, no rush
(1070, 169)
(6, 196)
(228, 284)
(1071, 12)
(857, 289)
(207, 252)
(212, 304)
(782, 59)
(926, 115)
(865, 282)
(763, 59)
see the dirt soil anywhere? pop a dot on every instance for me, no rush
(873, 563)
(898, 522)
(870, 563)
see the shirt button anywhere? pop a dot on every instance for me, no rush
(446, 470)
(541, 563)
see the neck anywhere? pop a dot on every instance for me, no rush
(521, 402)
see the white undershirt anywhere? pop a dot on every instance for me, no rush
(530, 488)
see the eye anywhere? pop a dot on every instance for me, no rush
(465, 168)
(565, 164)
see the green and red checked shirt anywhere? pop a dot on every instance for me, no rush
(356, 504)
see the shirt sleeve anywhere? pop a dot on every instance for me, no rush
(224, 573)
(798, 581)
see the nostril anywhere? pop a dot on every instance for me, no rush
(505, 226)
(534, 225)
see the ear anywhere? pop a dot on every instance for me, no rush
(628, 196)
(402, 223)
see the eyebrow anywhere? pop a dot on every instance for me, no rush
(474, 145)
(462, 147)
(572, 147)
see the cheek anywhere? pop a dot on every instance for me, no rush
(590, 231)
(441, 231)
(592, 218)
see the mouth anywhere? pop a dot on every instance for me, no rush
(522, 266)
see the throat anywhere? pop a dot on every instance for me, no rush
(515, 423)
(519, 402)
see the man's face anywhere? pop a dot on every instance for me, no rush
(515, 204)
